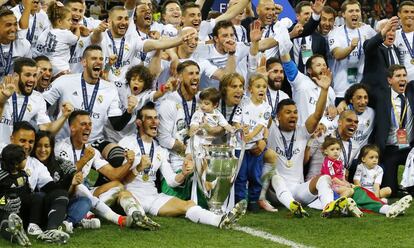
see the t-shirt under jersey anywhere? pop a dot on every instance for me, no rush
(68, 88)
(65, 150)
(159, 161)
(348, 70)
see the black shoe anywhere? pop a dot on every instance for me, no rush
(253, 207)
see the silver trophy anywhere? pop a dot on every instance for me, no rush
(216, 165)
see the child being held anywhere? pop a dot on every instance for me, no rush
(369, 173)
(333, 167)
(207, 116)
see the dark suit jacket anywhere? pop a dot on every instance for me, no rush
(383, 115)
(319, 45)
(376, 67)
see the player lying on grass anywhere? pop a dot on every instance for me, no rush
(141, 180)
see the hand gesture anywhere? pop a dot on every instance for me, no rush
(230, 46)
(324, 80)
(88, 153)
(112, 59)
(331, 112)
(261, 69)
(130, 156)
(320, 130)
(279, 8)
(67, 109)
(255, 31)
(132, 103)
(317, 6)
(27, 4)
(155, 35)
(145, 162)
(354, 42)
(187, 34)
(341, 107)
(9, 85)
(171, 84)
(188, 167)
(103, 26)
(77, 178)
(258, 148)
(391, 24)
(297, 30)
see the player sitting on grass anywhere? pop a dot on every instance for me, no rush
(141, 179)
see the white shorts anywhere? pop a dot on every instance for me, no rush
(301, 193)
(151, 202)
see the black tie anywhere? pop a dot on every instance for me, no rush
(392, 60)
(402, 98)
(301, 66)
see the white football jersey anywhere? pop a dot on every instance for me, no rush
(76, 53)
(404, 52)
(369, 177)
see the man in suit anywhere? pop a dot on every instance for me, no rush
(380, 54)
(310, 41)
(394, 124)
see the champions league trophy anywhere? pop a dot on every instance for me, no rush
(216, 165)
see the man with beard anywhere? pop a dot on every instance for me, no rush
(12, 44)
(151, 157)
(325, 26)
(305, 90)
(404, 36)
(176, 111)
(26, 104)
(31, 17)
(45, 71)
(346, 44)
(88, 92)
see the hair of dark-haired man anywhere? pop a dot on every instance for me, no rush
(149, 105)
(300, 5)
(164, 5)
(74, 1)
(309, 62)
(394, 68)
(91, 48)
(116, 8)
(351, 91)
(75, 114)
(219, 25)
(22, 61)
(271, 61)
(405, 3)
(284, 102)
(5, 12)
(329, 10)
(189, 5)
(41, 58)
(22, 125)
(181, 66)
(349, 2)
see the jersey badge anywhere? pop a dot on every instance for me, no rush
(29, 107)
(126, 48)
(3, 201)
(267, 115)
(75, 93)
(20, 181)
(368, 122)
(158, 157)
(81, 44)
(100, 98)
(28, 172)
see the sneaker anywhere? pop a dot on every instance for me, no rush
(264, 204)
(399, 206)
(334, 207)
(54, 236)
(93, 223)
(297, 209)
(229, 219)
(67, 227)
(34, 230)
(141, 220)
(353, 208)
(15, 229)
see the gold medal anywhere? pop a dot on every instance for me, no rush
(412, 61)
(145, 177)
(117, 72)
(289, 163)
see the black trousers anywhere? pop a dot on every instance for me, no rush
(392, 157)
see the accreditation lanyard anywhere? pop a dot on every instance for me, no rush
(17, 118)
(407, 44)
(185, 107)
(398, 121)
(89, 105)
(120, 53)
(243, 38)
(359, 42)
(274, 106)
(347, 157)
(151, 154)
(224, 111)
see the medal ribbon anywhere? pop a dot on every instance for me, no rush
(407, 44)
(121, 49)
(17, 118)
(269, 97)
(6, 62)
(31, 31)
(224, 111)
(151, 154)
(89, 105)
(288, 149)
(347, 158)
(75, 158)
(185, 106)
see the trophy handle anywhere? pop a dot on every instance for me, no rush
(239, 134)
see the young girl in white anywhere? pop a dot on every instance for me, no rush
(369, 173)
(56, 42)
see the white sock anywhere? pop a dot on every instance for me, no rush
(325, 192)
(267, 172)
(110, 196)
(282, 192)
(129, 205)
(384, 209)
(198, 215)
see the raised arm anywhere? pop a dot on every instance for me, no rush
(233, 11)
(185, 35)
